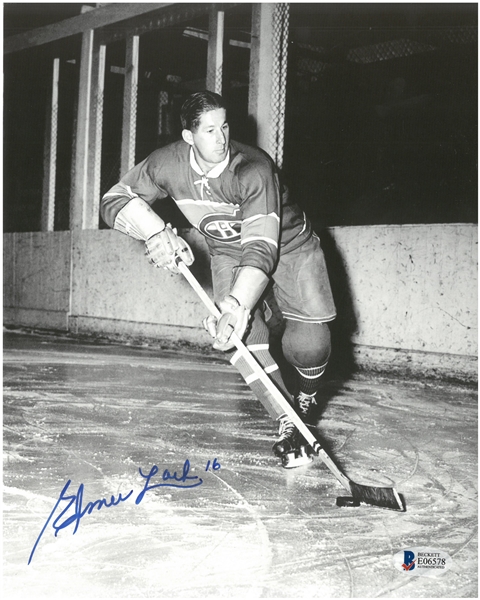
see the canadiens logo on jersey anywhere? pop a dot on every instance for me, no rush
(218, 222)
(221, 227)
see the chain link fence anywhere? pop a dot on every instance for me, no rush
(130, 109)
(279, 81)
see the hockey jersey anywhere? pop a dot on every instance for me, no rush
(240, 206)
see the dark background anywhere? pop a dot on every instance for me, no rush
(381, 112)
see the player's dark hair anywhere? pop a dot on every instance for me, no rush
(196, 105)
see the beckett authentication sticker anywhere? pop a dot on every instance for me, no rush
(428, 562)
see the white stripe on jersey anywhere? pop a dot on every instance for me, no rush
(304, 223)
(256, 217)
(123, 189)
(205, 203)
(258, 238)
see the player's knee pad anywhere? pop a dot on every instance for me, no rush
(306, 345)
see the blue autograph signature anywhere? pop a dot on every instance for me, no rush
(64, 520)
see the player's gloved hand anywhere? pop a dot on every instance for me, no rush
(234, 318)
(162, 248)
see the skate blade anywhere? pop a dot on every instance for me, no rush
(297, 458)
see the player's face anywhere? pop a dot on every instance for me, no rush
(211, 140)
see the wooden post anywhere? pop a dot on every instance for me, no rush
(95, 143)
(50, 154)
(130, 105)
(261, 71)
(78, 200)
(215, 51)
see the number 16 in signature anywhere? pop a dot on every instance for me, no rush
(215, 465)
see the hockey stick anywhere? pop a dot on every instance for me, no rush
(384, 497)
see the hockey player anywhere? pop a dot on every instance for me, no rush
(233, 195)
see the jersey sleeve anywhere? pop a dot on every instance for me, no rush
(261, 215)
(143, 181)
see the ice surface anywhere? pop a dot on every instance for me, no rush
(95, 414)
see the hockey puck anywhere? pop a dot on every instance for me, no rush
(347, 501)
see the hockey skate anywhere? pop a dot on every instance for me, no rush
(289, 447)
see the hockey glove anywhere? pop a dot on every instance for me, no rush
(163, 248)
(234, 318)
(248, 286)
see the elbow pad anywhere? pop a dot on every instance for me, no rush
(138, 220)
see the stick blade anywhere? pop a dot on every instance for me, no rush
(383, 497)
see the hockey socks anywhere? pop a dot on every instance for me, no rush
(264, 358)
(309, 383)
(309, 379)
(296, 453)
